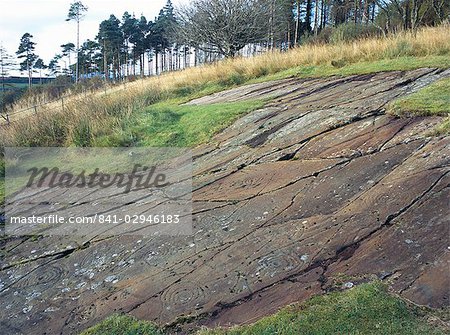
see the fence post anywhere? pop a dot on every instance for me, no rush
(62, 103)
(7, 118)
(35, 109)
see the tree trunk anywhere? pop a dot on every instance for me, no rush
(297, 24)
(316, 18)
(289, 35)
(322, 14)
(105, 61)
(308, 15)
(78, 50)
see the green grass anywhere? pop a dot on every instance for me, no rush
(443, 128)
(431, 100)
(364, 310)
(343, 69)
(123, 325)
(2, 191)
(2, 181)
(171, 124)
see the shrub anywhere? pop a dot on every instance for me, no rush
(82, 133)
(350, 32)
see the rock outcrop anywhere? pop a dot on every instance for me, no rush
(317, 186)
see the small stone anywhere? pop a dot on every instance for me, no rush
(349, 284)
(95, 285)
(80, 285)
(51, 309)
(110, 279)
(408, 241)
(304, 258)
(26, 309)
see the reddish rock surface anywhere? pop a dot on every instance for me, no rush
(318, 184)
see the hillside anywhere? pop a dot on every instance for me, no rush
(317, 188)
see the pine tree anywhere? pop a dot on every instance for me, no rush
(77, 12)
(110, 38)
(6, 64)
(67, 50)
(26, 52)
(40, 65)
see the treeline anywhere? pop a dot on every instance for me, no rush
(207, 30)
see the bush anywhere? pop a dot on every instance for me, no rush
(345, 32)
(9, 97)
(323, 37)
(402, 48)
(350, 32)
(82, 134)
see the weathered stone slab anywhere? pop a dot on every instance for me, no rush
(318, 183)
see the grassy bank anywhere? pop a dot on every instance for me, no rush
(433, 100)
(430, 101)
(366, 309)
(98, 115)
(172, 124)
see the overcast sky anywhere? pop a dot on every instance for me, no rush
(45, 20)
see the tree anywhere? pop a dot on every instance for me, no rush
(110, 38)
(40, 65)
(67, 49)
(129, 26)
(53, 65)
(26, 51)
(163, 34)
(141, 38)
(76, 13)
(90, 57)
(6, 64)
(223, 26)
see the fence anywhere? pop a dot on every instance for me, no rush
(6, 118)
(168, 63)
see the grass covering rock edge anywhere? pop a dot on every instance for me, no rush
(364, 309)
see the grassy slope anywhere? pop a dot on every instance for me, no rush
(403, 63)
(429, 47)
(172, 124)
(365, 309)
(433, 100)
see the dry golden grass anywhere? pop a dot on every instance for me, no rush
(97, 113)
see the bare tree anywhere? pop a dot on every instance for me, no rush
(223, 26)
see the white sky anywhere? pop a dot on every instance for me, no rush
(45, 20)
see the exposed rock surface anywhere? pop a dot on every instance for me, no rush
(318, 185)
